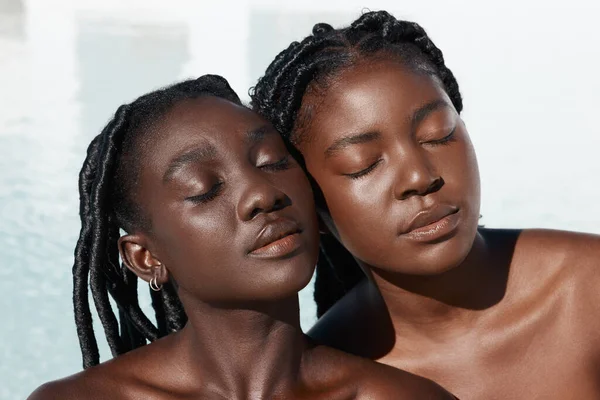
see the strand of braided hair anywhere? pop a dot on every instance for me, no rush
(107, 206)
(311, 64)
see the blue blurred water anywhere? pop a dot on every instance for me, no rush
(60, 85)
(66, 65)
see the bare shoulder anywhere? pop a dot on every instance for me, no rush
(83, 385)
(130, 376)
(563, 241)
(563, 265)
(368, 379)
(573, 254)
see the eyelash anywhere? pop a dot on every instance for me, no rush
(364, 172)
(208, 196)
(280, 165)
(443, 141)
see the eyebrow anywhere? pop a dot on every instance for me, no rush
(349, 140)
(203, 153)
(256, 135)
(417, 117)
(424, 111)
(189, 157)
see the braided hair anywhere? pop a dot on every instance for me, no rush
(311, 65)
(107, 183)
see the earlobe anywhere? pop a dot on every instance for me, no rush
(323, 229)
(326, 225)
(141, 261)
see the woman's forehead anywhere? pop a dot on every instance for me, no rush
(208, 119)
(205, 128)
(364, 94)
(207, 114)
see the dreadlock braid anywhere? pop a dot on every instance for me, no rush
(83, 316)
(175, 315)
(159, 312)
(107, 204)
(309, 66)
(99, 278)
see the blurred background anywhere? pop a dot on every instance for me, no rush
(528, 72)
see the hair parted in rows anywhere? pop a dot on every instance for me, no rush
(107, 204)
(313, 63)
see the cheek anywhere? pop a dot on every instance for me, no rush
(297, 187)
(354, 207)
(357, 211)
(461, 173)
(474, 185)
(194, 246)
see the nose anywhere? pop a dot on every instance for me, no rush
(415, 176)
(261, 197)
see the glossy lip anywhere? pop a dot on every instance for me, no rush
(277, 238)
(433, 223)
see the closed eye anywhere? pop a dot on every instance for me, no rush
(363, 172)
(280, 165)
(208, 196)
(445, 140)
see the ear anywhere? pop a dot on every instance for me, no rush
(136, 256)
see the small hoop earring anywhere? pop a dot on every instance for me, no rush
(154, 286)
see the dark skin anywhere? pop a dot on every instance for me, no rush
(488, 314)
(215, 175)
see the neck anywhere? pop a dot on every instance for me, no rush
(447, 304)
(252, 350)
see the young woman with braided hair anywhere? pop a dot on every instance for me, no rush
(220, 221)
(373, 114)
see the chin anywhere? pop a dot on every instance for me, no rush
(299, 280)
(437, 268)
(428, 260)
(423, 268)
(445, 256)
(286, 280)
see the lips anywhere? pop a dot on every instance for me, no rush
(275, 231)
(430, 216)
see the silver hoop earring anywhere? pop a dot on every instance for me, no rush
(154, 286)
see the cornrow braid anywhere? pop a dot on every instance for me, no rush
(107, 205)
(311, 64)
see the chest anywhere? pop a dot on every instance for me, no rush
(534, 371)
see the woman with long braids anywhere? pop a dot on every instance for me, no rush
(373, 115)
(220, 221)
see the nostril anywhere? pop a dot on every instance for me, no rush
(433, 187)
(277, 205)
(280, 203)
(255, 212)
(436, 185)
(263, 202)
(408, 193)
